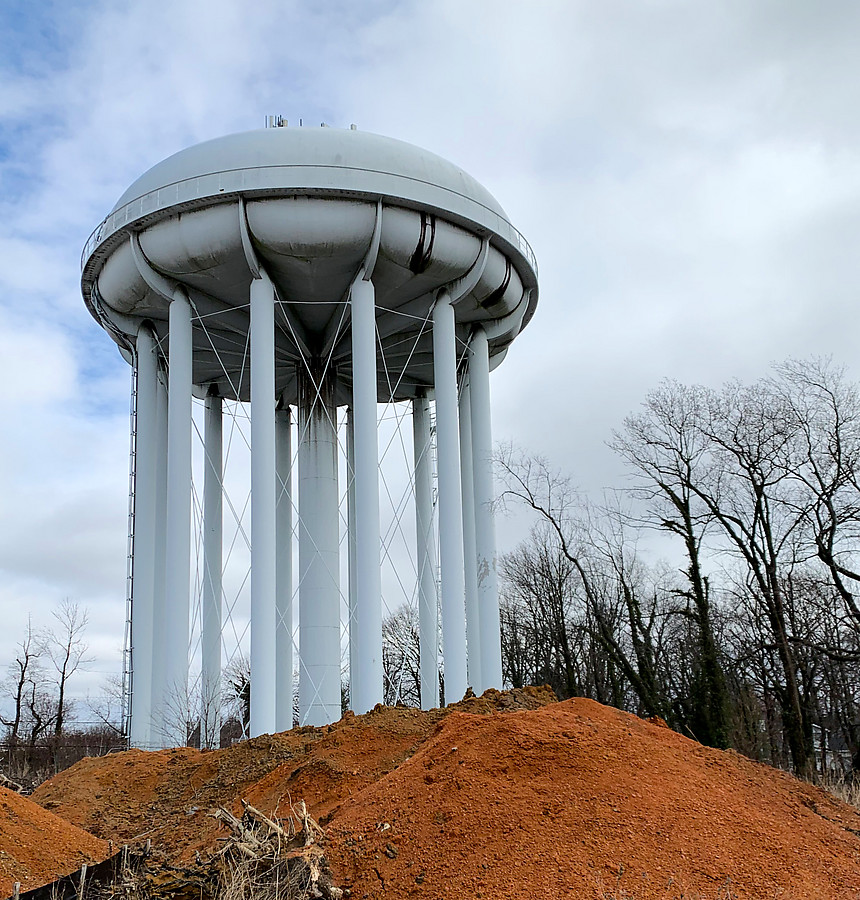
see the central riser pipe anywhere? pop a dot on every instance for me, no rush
(319, 551)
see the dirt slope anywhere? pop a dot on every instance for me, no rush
(36, 846)
(167, 796)
(579, 800)
(568, 799)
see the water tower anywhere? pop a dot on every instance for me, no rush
(300, 271)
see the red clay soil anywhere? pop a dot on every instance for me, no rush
(580, 800)
(166, 796)
(36, 846)
(569, 799)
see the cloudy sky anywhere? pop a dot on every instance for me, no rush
(687, 173)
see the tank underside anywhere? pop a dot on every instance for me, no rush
(312, 248)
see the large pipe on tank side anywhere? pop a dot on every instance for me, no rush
(450, 517)
(428, 614)
(171, 698)
(485, 529)
(263, 500)
(319, 563)
(284, 571)
(210, 639)
(143, 589)
(366, 690)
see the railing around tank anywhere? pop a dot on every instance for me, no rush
(202, 186)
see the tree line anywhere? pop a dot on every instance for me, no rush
(740, 626)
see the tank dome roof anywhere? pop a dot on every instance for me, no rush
(351, 152)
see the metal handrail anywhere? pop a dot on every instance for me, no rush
(211, 185)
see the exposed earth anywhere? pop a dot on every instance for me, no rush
(509, 795)
(36, 846)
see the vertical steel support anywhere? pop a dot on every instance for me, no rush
(319, 555)
(368, 590)
(473, 626)
(263, 500)
(284, 571)
(450, 517)
(485, 530)
(210, 678)
(160, 604)
(143, 585)
(173, 711)
(350, 545)
(428, 615)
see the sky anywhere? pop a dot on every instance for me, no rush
(688, 175)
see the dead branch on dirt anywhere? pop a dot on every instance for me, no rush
(268, 859)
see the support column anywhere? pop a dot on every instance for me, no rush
(319, 551)
(350, 546)
(368, 590)
(485, 529)
(263, 499)
(143, 584)
(450, 517)
(210, 678)
(473, 626)
(428, 622)
(174, 712)
(160, 602)
(284, 571)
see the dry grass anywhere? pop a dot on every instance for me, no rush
(845, 789)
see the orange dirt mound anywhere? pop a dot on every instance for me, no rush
(580, 800)
(166, 796)
(568, 799)
(36, 846)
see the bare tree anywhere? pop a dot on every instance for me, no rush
(596, 545)
(237, 693)
(67, 652)
(666, 448)
(22, 672)
(401, 657)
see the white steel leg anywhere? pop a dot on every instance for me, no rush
(428, 615)
(143, 587)
(284, 572)
(210, 679)
(263, 499)
(350, 543)
(174, 711)
(160, 604)
(368, 591)
(485, 531)
(450, 518)
(473, 627)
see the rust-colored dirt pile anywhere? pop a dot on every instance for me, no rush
(565, 799)
(167, 796)
(36, 846)
(580, 800)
